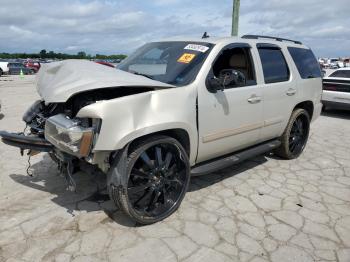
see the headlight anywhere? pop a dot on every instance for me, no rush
(69, 135)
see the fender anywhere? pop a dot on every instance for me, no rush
(127, 118)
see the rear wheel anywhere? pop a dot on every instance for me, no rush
(295, 136)
(154, 180)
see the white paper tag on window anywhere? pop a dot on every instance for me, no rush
(200, 48)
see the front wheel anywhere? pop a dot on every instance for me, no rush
(295, 136)
(154, 180)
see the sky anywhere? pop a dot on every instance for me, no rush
(120, 26)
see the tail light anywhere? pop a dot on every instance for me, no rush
(329, 87)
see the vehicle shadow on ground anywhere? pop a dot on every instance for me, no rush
(91, 194)
(203, 181)
(1, 116)
(341, 114)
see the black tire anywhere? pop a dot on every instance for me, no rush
(150, 182)
(0, 72)
(32, 72)
(295, 136)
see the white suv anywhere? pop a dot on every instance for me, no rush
(336, 89)
(3, 68)
(171, 109)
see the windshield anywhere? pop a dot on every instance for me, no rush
(341, 74)
(175, 63)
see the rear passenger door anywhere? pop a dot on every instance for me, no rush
(278, 90)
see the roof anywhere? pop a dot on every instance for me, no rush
(343, 69)
(228, 40)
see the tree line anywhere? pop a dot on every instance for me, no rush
(43, 54)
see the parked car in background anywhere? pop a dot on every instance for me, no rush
(336, 90)
(34, 66)
(333, 63)
(3, 68)
(15, 69)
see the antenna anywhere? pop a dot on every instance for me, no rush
(205, 35)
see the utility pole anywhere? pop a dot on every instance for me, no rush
(235, 17)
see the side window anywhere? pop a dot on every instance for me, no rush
(274, 65)
(341, 74)
(237, 58)
(306, 62)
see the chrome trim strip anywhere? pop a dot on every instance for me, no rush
(272, 121)
(240, 130)
(231, 132)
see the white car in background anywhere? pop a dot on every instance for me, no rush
(332, 63)
(3, 68)
(336, 89)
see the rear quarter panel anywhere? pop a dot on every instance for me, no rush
(307, 89)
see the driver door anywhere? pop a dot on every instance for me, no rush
(231, 119)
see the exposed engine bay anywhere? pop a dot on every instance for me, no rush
(37, 114)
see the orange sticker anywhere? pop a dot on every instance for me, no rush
(186, 58)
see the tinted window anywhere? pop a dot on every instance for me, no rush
(306, 62)
(341, 74)
(274, 65)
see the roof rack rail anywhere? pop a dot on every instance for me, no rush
(271, 37)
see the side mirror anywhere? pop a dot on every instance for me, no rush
(227, 78)
(214, 84)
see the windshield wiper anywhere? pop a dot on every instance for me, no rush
(140, 74)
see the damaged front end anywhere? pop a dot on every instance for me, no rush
(53, 129)
(52, 124)
(33, 139)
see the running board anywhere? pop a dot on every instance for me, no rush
(226, 161)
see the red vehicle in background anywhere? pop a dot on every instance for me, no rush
(33, 66)
(104, 63)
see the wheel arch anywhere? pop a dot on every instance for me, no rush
(181, 135)
(308, 106)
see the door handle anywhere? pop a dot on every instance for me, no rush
(254, 99)
(291, 92)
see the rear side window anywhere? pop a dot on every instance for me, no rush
(274, 65)
(306, 62)
(341, 74)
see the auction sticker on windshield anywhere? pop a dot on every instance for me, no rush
(186, 58)
(199, 48)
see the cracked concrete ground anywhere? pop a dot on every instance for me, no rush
(265, 209)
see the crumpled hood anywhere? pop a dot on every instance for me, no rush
(58, 81)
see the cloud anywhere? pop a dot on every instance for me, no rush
(120, 26)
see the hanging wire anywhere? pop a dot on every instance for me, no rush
(29, 170)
